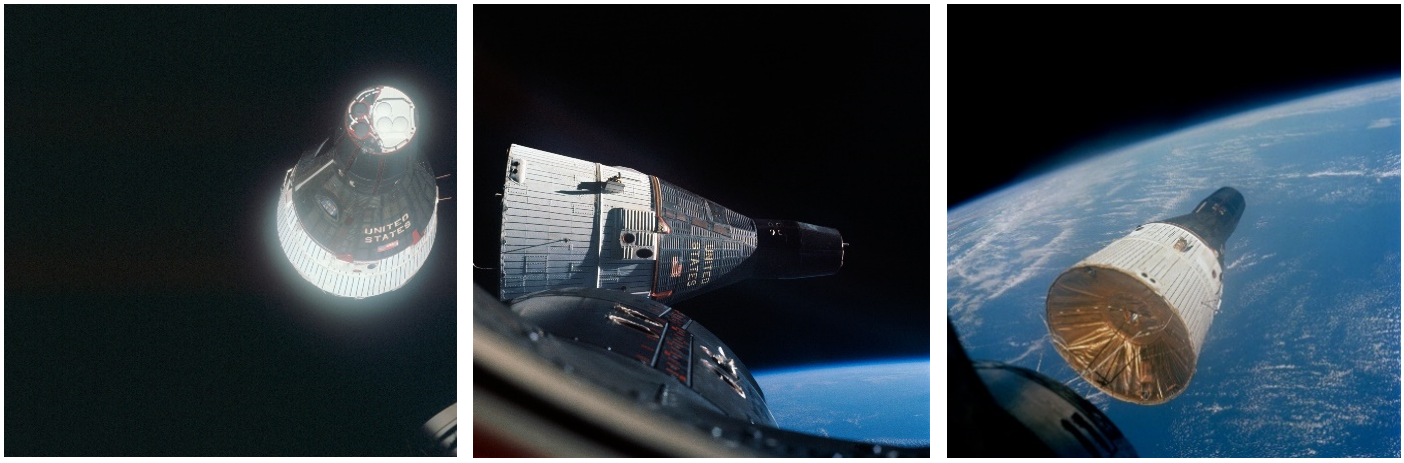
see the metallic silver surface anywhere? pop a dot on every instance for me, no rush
(570, 223)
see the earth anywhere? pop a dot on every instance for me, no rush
(1303, 358)
(886, 402)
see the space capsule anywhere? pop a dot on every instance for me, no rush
(1131, 318)
(569, 223)
(356, 215)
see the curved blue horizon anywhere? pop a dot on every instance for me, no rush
(883, 401)
(845, 364)
(1320, 174)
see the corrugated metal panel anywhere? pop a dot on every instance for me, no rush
(637, 193)
(1185, 278)
(548, 223)
(614, 228)
(629, 235)
(555, 212)
(704, 247)
(628, 267)
(358, 279)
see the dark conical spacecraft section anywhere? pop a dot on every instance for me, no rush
(1214, 219)
(361, 206)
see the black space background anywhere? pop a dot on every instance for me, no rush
(1029, 87)
(145, 313)
(816, 114)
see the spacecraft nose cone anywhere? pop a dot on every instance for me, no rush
(381, 120)
(1214, 219)
(788, 249)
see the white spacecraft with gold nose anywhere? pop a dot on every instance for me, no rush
(1131, 318)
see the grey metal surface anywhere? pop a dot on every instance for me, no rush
(550, 225)
(568, 223)
(628, 201)
(704, 247)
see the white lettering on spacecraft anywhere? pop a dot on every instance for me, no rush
(387, 231)
(694, 270)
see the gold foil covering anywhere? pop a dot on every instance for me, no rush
(1120, 335)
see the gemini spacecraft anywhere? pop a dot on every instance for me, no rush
(357, 214)
(568, 223)
(1131, 318)
(580, 354)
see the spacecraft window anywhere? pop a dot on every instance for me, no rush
(328, 205)
(371, 169)
(628, 238)
(644, 253)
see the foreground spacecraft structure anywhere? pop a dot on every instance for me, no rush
(580, 353)
(1000, 410)
(442, 429)
(597, 372)
(570, 223)
(1131, 318)
(357, 214)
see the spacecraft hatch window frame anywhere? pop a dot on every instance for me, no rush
(329, 205)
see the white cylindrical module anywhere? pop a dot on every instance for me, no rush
(1131, 319)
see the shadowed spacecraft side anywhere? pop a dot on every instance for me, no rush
(357, 214)
(1131, 318)
(569, 223)
(596, 372)
(1000, 410)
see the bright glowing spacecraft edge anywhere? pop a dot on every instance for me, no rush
(357, 214)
